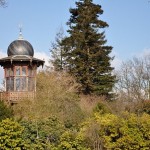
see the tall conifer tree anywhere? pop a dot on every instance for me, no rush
(85, 50)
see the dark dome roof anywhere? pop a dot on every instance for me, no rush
(20, 47)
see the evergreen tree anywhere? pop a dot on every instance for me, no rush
(86, 54)
(56, 51)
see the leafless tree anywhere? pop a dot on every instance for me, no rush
(134, 81)
(57, 51)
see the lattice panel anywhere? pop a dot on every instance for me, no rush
(14, 97)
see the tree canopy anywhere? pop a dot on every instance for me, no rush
(86, 53)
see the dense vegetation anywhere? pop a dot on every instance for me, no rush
(5, 111)
(61, 119)
(73, 109)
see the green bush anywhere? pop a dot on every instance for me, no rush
(5, 111)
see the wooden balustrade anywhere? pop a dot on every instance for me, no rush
(14, 97)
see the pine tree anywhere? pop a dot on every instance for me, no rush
(85, 50)
(57, 51)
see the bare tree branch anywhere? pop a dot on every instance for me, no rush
(133, 85)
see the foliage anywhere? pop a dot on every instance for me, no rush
(52, 134)
(146, 107)
(5, 111)
(56, 95)
(11, 135)
(57, 52)
(102, 108)
(44, 134)
(143, 107)
(30, 133)
(59, 95)
(52, 129)
(70, 141)
(55, 119)
(86, 54)
(103, 131)
(129, 132)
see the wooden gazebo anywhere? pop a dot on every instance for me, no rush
(20, 69)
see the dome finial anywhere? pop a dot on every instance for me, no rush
(20, 32)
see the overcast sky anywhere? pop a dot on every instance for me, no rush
(128, 32)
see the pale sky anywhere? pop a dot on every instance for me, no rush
(128, 32)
